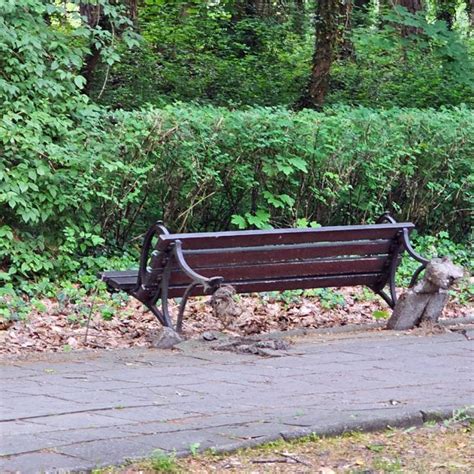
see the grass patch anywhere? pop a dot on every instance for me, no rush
(441, 447)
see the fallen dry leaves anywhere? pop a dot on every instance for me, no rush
(62, 327)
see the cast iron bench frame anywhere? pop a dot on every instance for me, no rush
(164, 266)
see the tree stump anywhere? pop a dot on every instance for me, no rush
(426, 300)
(224, 307)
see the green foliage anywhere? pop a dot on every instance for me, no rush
(194, 448)
(440, 245)
(79, 184)
(49, 139)
(211, 169)
(207, 52)
(12, 306)
(329, 298)
(200, 51)
(381, 314)
(431, 68)
(162, 462)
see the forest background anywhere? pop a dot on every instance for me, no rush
(225, 114)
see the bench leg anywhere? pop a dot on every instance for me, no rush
(391, 299)
(164, 295)
(182, 306)
(157, 313)
(384, 296)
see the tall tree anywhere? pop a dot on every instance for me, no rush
(345, 46)
(298, 13)
(260, 8)
(327, 17)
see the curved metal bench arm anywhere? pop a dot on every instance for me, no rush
(411, 251)
(207, 283)
(156, 229)
(404, 244)
(386, 217)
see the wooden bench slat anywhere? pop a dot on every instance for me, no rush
(249, 238)
(127, 281)
(288, 269)
(121, 280)
(289, 284)
(283, 253)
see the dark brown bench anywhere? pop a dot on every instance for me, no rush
(184, 265)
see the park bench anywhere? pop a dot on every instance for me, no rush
(192, 264)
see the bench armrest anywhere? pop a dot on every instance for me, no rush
(196, 277)
(156, 229)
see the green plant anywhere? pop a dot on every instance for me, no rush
(194, 448)
(107, 312)
(388, 465)
(460, 415)
(79, 183)
(432, 68)
(164, 462)
(381, 314)
(439, 245)
(330, 298)
(12, 306)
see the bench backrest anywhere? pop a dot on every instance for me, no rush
(268, 260)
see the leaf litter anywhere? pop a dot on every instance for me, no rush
(61, 327)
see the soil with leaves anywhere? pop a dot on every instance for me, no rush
(108, 322)
(442, 448)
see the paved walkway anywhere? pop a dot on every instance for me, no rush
(79, 411)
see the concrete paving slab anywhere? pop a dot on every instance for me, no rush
(86, 410)
(41, 462)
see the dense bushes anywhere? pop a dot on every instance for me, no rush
(106, 176)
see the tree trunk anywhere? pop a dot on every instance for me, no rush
(298, 15)
(246, 8)
(412, 6)
(93, 16)
(327, 16)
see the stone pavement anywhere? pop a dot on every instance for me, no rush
(78, 411)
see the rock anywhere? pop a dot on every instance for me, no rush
(265, 348)
(208, 336)
(166, 339)
(274, 344)
(213, 336)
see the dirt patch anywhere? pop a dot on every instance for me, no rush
(61, 326)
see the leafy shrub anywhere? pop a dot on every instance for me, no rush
(49, 140)
(205, 168)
